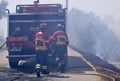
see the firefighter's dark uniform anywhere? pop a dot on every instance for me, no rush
(60, 43)
(42, 46)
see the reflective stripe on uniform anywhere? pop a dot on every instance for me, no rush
(37, 66)
(43, 46)
(57, 58)
(44, 67)
(59, 42)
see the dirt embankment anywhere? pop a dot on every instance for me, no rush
(100, 65)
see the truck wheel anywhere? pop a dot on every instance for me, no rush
(12, 63)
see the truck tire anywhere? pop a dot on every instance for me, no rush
(12, 63)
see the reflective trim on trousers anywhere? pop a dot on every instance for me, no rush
(37, 66)
(44, 67)
(60, 43)
(41, 48)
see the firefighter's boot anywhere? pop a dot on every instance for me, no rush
(38, 70)
(62, 66)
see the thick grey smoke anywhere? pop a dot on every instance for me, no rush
(88, 32)
(3, 5)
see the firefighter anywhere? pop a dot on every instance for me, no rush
(60, 39)
(42, 47)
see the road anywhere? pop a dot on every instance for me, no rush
(78, 70)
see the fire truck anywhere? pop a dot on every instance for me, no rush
(23, 25)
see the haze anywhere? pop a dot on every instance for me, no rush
(99, 7)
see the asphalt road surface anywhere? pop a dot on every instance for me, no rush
(78, 70)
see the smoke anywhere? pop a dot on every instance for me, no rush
(78, 23)
(113, 24)
(86, 30)
(91, 34)
(115, 49)
(3, 5)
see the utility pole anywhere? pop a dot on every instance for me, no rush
(66, 10)
(67, 4)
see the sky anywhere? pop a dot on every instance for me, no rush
(100, 8)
